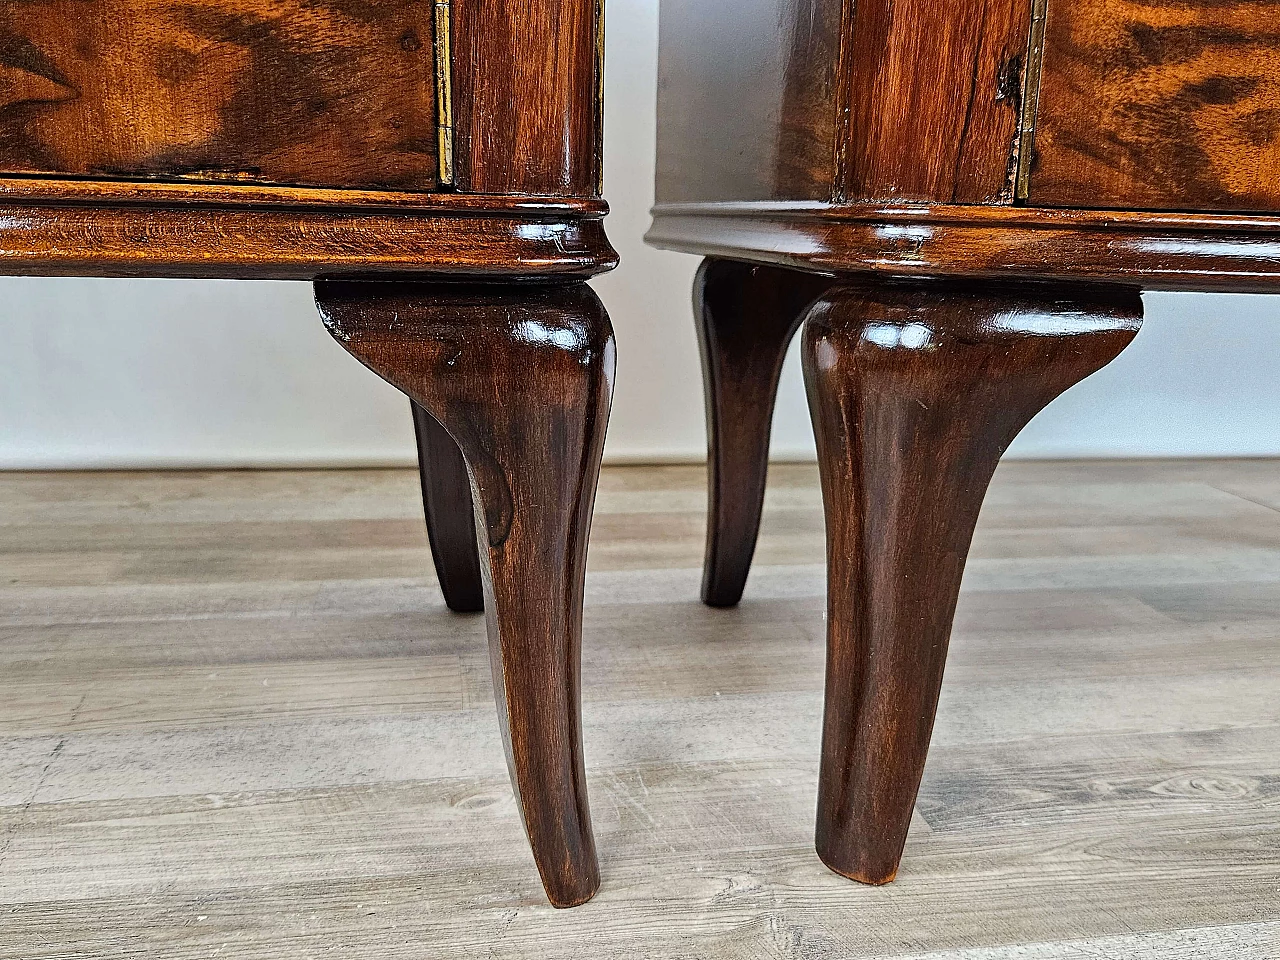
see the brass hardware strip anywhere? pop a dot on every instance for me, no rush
(600, 97)
(1030, 99)
(444, 91)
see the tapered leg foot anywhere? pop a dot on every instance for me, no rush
(451, 522)
(916, 391)
(745, 317)
(521, 378)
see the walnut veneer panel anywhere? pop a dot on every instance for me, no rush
(1161, 104)
(746, 99)
(330, 93)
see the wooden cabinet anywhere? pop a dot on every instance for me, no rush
(449, 149)
(298, 139)
(1069, 103)
(959, 202)
(405, 95)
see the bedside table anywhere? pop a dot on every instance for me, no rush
(435, 168)
(961, 202)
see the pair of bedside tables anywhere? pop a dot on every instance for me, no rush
(959, 201)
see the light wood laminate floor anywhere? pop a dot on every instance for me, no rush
(237, 721)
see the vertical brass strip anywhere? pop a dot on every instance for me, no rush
(600, 97)
(1030, 99)
(444, 91)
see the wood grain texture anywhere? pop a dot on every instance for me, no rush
(450, 514)
(916, 392)
(745, 317)
(274, 241)
(930, 94)
(526, 97)
(133, 193)
(338, 93)
(746, 99)
(521, 378)
(276, 740)
(1172, 104)
(1154, 251)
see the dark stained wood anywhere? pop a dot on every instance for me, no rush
(526, 95)
(916, 391)
(451, 522)
(957, 314)
(931, 92)
(745, 316)
(130, 193)
(336, 93)
(746, 99)
(1163, 104)
(274, 241)
(521, 378)
(298, 139)
(1154, 251)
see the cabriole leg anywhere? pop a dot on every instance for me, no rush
(520, 376)
(915, 391)
(745, 317)
(451, 524)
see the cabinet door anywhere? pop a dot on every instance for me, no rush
(337, 93)
(1159, 104)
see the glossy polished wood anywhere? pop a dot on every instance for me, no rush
(276, 241)
(283, 139)
(282, 91)
(936, 111)
(527, 85)
(745, 317)
(534, 455)
(960, 310)
(1155, 251)
(132, 193)
(930, 96)
(916, 391)
(746, 103)
(830, 100)
(1159, 105)
(450, 513)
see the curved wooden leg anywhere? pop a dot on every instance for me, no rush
(745, 317)
(916, 391)
(451, 522)
(521, 377)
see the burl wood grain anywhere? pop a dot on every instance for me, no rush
(746, 99)
(329, 93)
(930, 92)
(916, 391)
(521, 378)
(526, 96)
(1162, 104)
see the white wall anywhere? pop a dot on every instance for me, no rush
(160, 373)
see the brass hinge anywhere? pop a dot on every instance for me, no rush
(444, 92)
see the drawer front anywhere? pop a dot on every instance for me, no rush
(335, 93)
(1159, 104)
